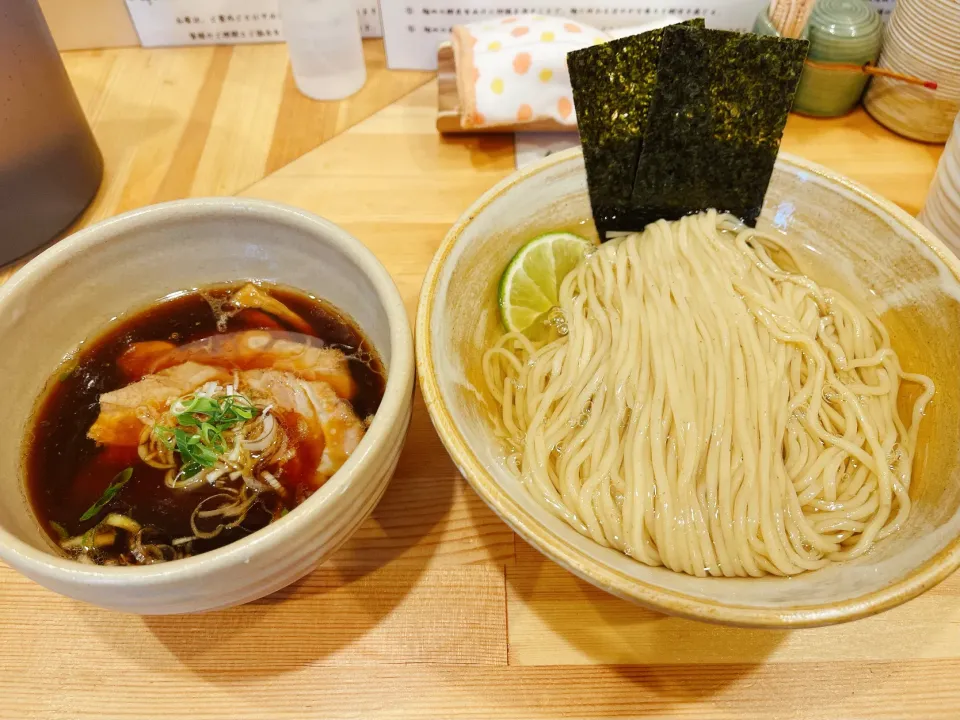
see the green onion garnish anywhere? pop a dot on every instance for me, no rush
(192, 449)
(121, 479)
(201, 423)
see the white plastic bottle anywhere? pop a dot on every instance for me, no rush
(326, 50)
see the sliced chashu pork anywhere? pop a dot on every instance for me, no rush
(119, 420)
(331, 419)
(246, 350)
(318, 404)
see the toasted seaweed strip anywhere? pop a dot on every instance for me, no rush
(715, 123)
(613, 85)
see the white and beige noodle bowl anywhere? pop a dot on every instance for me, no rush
(846, 239)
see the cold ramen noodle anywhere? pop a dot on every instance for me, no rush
(197, 422)
(703, 405)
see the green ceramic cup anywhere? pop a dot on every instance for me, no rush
(840, 31)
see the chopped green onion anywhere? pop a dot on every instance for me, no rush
(200, 405)
(59, 530)
(198, 436)
(236, 408)
(86, 541)
(190, 469)
(165, 436)
(121, 479)
(205, 420)
(211, 436)
(191, 449)
(123, 522)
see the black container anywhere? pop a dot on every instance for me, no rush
(50, 166)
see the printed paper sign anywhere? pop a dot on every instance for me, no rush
(369, 13)
(223, 22)
(413, 29)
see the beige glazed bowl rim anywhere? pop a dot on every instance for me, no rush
(359, 468)
(581, 564)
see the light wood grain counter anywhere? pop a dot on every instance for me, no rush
(434, 609)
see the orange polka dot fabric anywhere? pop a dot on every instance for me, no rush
(514, 71)
(522, 62)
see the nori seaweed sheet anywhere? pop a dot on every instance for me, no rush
(613, 87)
(715, 122)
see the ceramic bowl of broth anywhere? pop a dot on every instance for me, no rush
(207, 398)
(849, 239)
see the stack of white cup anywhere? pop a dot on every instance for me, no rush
(922, 40)
(941, 213)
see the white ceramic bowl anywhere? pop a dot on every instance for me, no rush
(852, 240)
(123, 264)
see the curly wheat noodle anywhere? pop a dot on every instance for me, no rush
(709, 410)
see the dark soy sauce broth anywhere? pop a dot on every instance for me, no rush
(67, 472)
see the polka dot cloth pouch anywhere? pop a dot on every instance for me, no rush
(514, 71)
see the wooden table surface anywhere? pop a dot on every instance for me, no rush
(434, 609)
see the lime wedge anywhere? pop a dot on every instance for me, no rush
(530, 286)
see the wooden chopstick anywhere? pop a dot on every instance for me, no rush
(790, 17)
(777, 13)
(869, 69)
(803, 17)
(788, 25)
